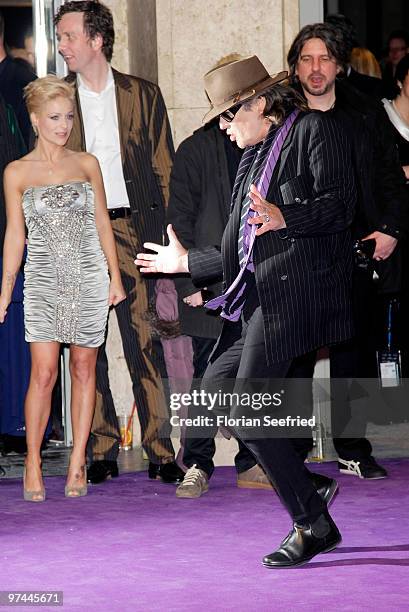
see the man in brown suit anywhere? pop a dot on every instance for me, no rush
(122, 120)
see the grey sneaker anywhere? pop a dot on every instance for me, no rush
(195, 483)
(254, 478)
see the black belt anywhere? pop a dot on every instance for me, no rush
(119, 213)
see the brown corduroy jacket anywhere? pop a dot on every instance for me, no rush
(146, 147)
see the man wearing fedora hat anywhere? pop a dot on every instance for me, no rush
(285, 260)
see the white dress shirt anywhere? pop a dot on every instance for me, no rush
(100, 118)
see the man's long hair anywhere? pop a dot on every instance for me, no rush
(97, 20)
(332, 39)
(281, 99)
(346, 28)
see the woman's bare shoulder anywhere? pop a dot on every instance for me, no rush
(82, 156)
(19, 166)
(88, 162)
(14, 169)
(15, 176)
(20, 172)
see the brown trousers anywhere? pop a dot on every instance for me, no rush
(137, 346)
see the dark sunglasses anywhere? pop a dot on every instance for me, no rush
(228, 115)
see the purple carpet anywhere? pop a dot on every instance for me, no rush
(131, 545)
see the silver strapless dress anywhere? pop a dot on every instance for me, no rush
(66, 282)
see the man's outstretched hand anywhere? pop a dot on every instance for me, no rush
(169, 259)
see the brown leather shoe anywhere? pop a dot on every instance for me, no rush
(254, 478)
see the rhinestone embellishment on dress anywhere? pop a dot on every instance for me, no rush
(63, 232)
(59, 196)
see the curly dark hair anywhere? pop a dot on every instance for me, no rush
(332, 39)
(97, 20)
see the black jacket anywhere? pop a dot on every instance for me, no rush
(382, 200)
(14, 76)
(8, 152)
(302, 273)
(199, 208)
(371, 86)
(382, 197)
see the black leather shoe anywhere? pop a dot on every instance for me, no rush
(167, 472)
(326, 487)
(14, 444)
(99, 471)
(365, 468)
(17, 444)
(304, 542)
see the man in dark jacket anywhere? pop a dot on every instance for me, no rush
(316, 58)
(200, 189)
(14, 76)
(201, 184)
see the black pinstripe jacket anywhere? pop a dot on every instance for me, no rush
(303, 273)
(146, 148)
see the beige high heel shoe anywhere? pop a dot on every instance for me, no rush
(33, 496)
(78, 491)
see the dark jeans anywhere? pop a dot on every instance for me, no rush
(241, 355)
(200, 451)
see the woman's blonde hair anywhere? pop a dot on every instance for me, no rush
(39, 92)
(363, 61)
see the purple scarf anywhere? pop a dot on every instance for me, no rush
(268, 155)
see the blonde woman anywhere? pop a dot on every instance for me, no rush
(59, 196)
(363, 61)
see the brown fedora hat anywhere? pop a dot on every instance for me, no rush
(236, 82)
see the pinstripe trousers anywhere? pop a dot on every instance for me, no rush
(241, 355)
(137, 346)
